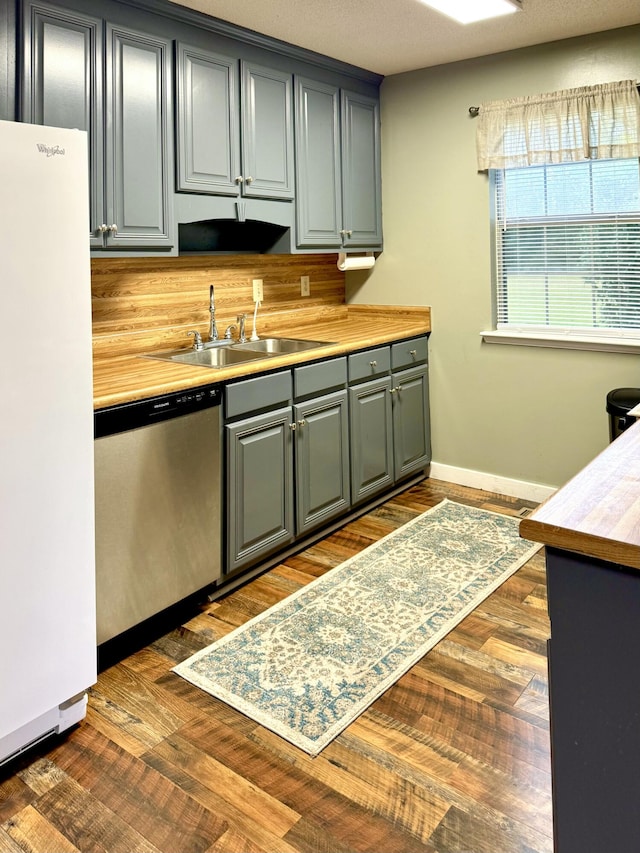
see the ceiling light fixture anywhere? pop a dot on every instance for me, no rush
(469, 11)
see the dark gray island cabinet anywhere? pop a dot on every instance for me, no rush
(591, 529)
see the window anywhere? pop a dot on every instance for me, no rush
(565, 178)
(567, 244)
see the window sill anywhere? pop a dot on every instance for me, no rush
(528, 339)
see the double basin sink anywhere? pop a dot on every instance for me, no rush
(227, 354)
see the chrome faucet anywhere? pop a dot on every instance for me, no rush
(242, 338)
(213, 329)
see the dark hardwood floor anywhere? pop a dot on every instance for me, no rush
(454, 757)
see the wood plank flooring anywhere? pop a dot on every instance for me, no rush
(454, 758)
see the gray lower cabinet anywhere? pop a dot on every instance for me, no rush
(260, 509)
(338, 189)
(411, 429)
(234, 126)
(389, 415)
(321, 460)
(371, 427)
(113, 82)
(287, 458)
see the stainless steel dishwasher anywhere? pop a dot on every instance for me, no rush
(158, 505)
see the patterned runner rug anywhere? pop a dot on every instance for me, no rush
(311, 664)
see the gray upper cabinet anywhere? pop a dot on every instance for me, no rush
(234, 126)
(207, 146)
(137, 140)
(361, 186)
(113, 82)
(338, 195)
(62, 85)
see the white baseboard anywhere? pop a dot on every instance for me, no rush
(491, 482)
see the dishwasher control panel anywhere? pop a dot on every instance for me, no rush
(139, 413)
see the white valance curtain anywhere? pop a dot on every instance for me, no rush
(589, 123)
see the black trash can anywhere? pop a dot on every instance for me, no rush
(619, 402)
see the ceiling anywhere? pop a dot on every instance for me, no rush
(391, 36)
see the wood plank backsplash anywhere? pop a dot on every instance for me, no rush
(140, 304)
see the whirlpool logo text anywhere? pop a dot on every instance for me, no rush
(51, 150)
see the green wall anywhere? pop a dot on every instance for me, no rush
(531, 414)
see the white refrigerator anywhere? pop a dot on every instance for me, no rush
(47, 556)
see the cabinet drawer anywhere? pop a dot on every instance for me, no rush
(258, 393)
(319, 378)
(368, 364)
(406, 353)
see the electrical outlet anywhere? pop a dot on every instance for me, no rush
(258, 290)
(305, 289)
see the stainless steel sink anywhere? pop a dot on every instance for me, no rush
(279, 346)
(215, 357)
(232, 353)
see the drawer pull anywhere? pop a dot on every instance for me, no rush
(413, 352)
(373, 363)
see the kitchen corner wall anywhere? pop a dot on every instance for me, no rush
(529, 414)
(140, 304)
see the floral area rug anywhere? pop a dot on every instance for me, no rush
(311, 664)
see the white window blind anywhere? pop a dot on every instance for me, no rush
(568, 248)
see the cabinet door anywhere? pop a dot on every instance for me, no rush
(321, 460)
(62, 85)
(137, 142)
(411, 433)
(259, 487)
(318, 169)
(361, 185)
(267, 132)
(208, 141)
(371, 438)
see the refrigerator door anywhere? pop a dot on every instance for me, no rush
(47, 562)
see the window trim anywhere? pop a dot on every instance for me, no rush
(522, 338)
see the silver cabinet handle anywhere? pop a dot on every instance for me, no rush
(342, 233)
(113, 229)
(412, 353)
(239, 179)
(249, 179)
(302, 422)
(102, 229)
(393, 391)
(373, 363)
(349, 233)
(293, 427)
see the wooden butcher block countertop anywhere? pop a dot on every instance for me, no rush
(597, 513)
(124, 378)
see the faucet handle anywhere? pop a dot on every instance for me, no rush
(197, 340)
